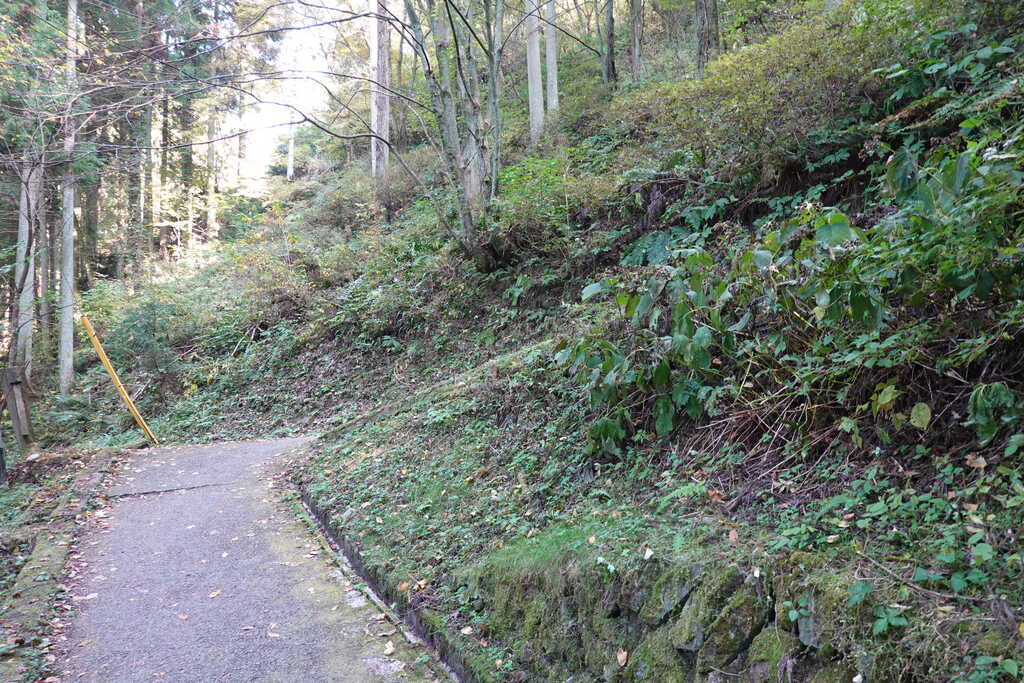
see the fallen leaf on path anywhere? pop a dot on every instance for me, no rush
(85, 642)
(215, 593)
(183, 617)
(389, 648)
(271, 634)
(248, 628)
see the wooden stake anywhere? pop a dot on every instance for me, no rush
(117, 382)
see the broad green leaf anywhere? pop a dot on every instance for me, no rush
(920, 415)
(834, 229)
(663, 414)
(592, 290)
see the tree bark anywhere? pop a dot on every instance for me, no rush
(494, 20)
(474, 158)
(42, 242)
(163, 214)
(67, 254)
(608, 72)
(534, 84)
(186, 119)
(90, 232)
(706, 19)
(441, 88)
(636, 26)
(551, 54)
(24, 266)
(212, 229)
(380, 100)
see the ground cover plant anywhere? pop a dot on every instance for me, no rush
(738, 394)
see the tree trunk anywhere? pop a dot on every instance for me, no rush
(400, 134)
(212, 229)
(706, 19)
(163, 195)
(42, 242)
(380, 99)
(185, 121)
(494, 23)
(636, 28)
(145, 225)
(608, 73)
(551, 54)
(535, 86)
(90, 231)
(67, 251)
(441, 92)
(474, 158)
(24, 267)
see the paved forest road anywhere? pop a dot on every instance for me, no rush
(198, 572)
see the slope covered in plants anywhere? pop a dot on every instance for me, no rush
(743, 398)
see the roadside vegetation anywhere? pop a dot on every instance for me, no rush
(742, 395)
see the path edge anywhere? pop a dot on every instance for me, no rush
(414, 618)
(37, 585)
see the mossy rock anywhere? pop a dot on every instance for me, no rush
(825, 593)
(833, 672)
(737, 624)
(658, 659)
(771, 655)
(668, 595)
(704, 607)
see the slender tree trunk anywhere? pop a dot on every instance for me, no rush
(380, 100)
(212, 229)
(163, 196)
(706, 20)
(534, 84)
(185, 121)
(474, 158)
(636, 28)
(24, 267)
(441, 92)
(608, 72)
(67, 251)
(551, 54)
(146, 194)
(495, 26)
(42, 242)
(90, 231)
(400, 134)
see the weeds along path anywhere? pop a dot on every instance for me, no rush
(199, 571)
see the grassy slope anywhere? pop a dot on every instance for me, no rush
(498, 487)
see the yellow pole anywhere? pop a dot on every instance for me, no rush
(117, 382)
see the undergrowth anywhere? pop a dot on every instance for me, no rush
(771, 318)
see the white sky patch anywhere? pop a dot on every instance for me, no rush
(304, 55)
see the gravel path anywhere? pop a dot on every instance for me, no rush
(197, 571)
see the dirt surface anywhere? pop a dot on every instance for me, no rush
(198, 571)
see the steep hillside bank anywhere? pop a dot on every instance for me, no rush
(743, 400)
